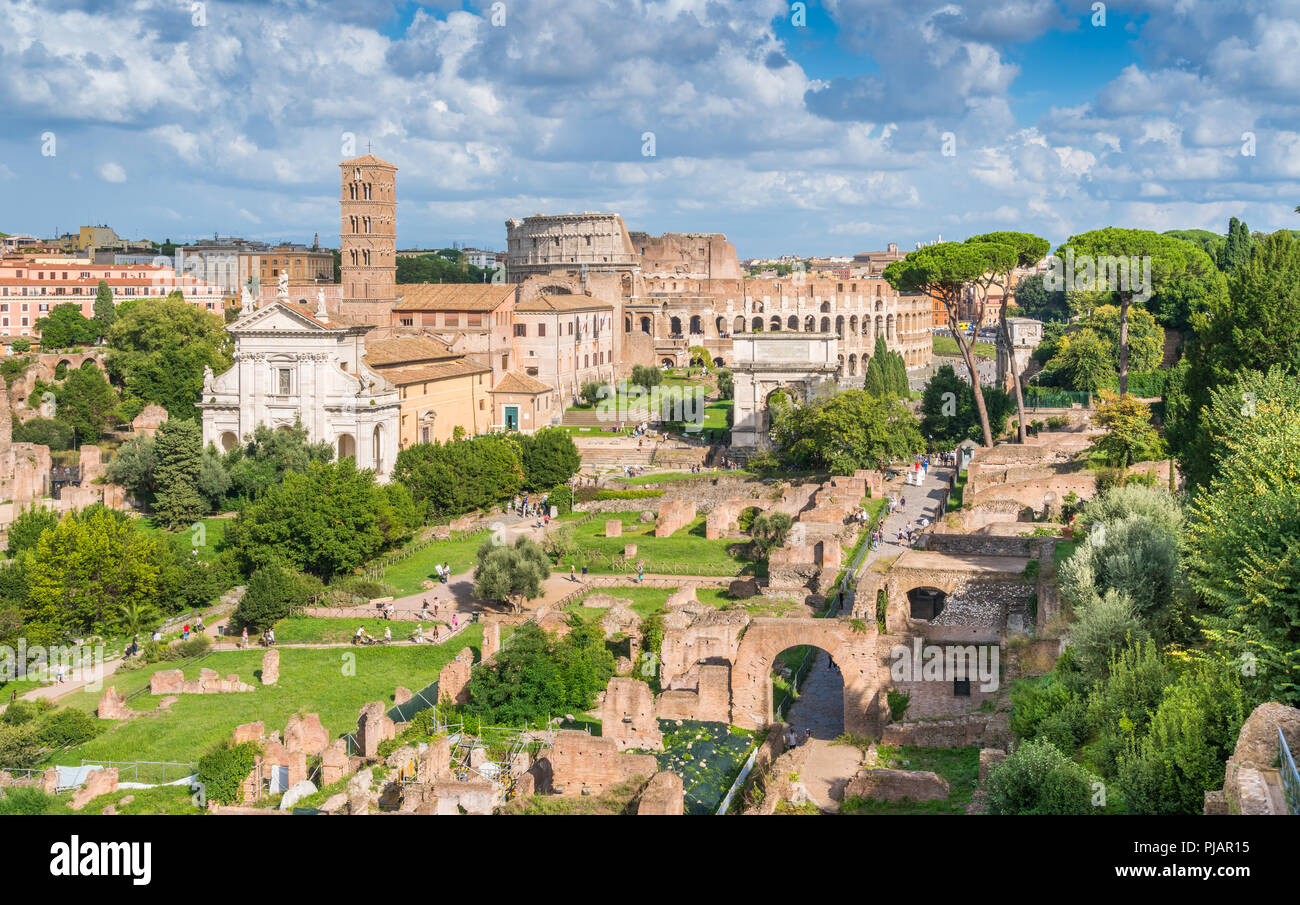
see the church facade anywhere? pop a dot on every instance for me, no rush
(293, 366)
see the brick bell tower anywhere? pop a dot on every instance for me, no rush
(368, 239)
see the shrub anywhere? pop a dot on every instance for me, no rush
(66, 728)
(1104, 625)
(898, 702)
(274, 593)
(627, 494)
(19, 746)
(222, 771)
(26, 800)
(561, 497)
(769, 531)
(19, 712)
(1037, 778)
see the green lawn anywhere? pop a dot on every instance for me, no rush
(1062, 552)
(946, 345)
(212, 534)
(405, 576)
(334, 683)
(313, 629)
(686, 548)
(960, 766)
(645, 602)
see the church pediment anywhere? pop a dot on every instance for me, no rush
(277, 316)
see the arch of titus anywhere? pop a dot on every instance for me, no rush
(767, 362)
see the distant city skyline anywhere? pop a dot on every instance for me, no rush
(825, 128)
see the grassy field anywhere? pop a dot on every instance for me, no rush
(960, 766)
(687, 547)
(334, 683)
(313, 629)
(946, 345)
(212, 534)
(405, 576)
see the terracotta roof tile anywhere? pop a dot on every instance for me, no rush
(452, 296)
(515, 382)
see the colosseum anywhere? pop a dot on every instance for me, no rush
(683, 290)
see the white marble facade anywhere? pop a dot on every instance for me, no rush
(292, 366)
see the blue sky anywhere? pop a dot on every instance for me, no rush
(821, 137)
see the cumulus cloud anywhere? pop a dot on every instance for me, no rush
(244, 118)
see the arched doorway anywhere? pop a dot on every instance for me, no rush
(740, 324)
(675, 326)
(810, 324)
(925, 603)
(347, 446)
(697, 325)
(826, 325)
(808, 691)
(645, 325)
(757, 325)
(228, 441)
(776, 322)
(792, 323)
(377, 448)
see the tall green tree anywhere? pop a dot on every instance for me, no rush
(1239, 246)
(83, 570)
(105, 310)
(948, 414)
(87, 402)
(65, 326)
(511, 573)
(178, 455)
(1183, 278)
(158, 349)
(1255, 328)
(549, 457)
(325, 521)
(946, 272)
(1243, 534)
(847, 431)
(1029, 250)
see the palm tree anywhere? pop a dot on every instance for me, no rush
(136, 616)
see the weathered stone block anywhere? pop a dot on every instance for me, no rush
(270, 667)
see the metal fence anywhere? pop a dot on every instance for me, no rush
(146, 772)
(1290, 777)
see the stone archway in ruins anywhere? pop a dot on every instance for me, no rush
(853, 651)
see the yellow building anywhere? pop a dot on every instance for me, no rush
(439, 389)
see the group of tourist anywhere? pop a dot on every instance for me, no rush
(526, 508)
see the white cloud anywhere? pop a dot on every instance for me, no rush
(112, 172)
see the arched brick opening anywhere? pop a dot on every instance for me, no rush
(854, 651)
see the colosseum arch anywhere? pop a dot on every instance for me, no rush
(739, 326)
(810, 324)
(826, 325)
(758, 325)
(792, 323)
(854, 652)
